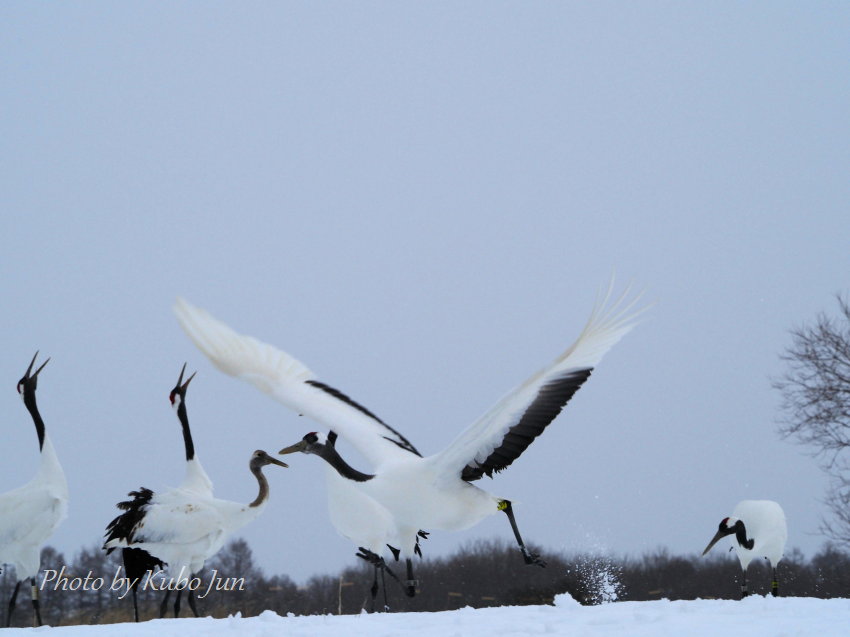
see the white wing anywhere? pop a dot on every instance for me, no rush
(289, 381)
(503, 433)
(29, 515)
(181, 520)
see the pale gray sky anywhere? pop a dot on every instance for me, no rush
(420, 201)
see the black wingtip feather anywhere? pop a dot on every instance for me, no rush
(400, 440)
(550, 400)
(121, 528)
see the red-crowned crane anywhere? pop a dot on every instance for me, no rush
(30, 514)
(137, 562)
(184, 530)
(760, 531)
(418, 493)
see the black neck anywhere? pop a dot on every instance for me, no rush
(344, 469)
(187, 433)
(741, 536)
(29, 401)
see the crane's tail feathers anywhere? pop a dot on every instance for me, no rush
(237, 354)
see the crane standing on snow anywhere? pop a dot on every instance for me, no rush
(760, 531)
(138, 562)
(30, 514)
(185, 526)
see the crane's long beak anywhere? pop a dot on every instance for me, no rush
(188, 380)
(299, 446)
(42, 367)
(32, 362)
(278, 462)
(29, 369)
(714, 540)
(183, 386)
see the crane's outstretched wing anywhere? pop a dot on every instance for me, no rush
(289, 381)
(503, 433)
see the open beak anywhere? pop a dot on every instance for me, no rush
(180, 380)
(32, 362)
(714, 540)
(299, 446)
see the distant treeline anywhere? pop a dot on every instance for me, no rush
(479, 575)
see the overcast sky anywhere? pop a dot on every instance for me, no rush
(420, 201)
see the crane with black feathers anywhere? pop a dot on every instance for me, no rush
(759, 530)
(138, 562)
(183, 527)
(30, 514)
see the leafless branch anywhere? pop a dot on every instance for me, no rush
(815, 393)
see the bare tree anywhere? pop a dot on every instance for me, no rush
(816, 403)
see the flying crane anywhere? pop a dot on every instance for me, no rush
(418, 493)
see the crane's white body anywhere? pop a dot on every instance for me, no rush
(31, 513)
(766, 525)
(415, 492)
(421, 495)
(186, 525)
(358, 517)
(184, 528)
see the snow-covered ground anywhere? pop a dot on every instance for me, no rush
(755, 616)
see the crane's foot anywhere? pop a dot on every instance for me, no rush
(532, 559)
(377, 561)
(370, 556)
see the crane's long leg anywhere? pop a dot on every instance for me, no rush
(12, 605)
(135, 605)
(744, 591)
(384, 586)
(36, 606)
(378, 561)
(163, 607)
(192, 604)
(177, 602)
(774, 585)
(411, 583)
(528, 556)
(373, 590)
